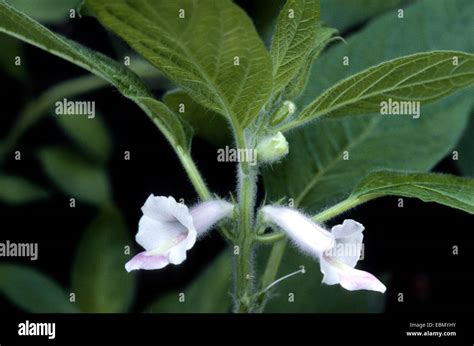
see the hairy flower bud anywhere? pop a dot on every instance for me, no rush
(287, 109)
(272, 148)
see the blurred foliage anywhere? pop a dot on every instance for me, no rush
(32, 290)
(17, 190)
(306, 292)
(344, 14)
(99, 278)
(76, 176)
(10, 49)
(339, 14)
(91, 135)
(46, 11)
(210, 292)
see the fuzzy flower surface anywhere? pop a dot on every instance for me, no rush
(168, 229)
(338, 251)
(338, 263)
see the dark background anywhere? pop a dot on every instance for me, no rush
(413, 244)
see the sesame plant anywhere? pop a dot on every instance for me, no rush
(321, 147)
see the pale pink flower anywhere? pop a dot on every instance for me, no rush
(168, 229)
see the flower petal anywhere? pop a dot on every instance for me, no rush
(349, 229)
(208, 213)
(146, 260)
(163, 221)
(166, 209)
(330, 275)
(354, 279)
(348, 246)
(177, 254)
(307, 235)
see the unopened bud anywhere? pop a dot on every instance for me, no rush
(287, 109)
(272, 148)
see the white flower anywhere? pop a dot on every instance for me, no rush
(336, 265)
(304, 232)
(168, 229)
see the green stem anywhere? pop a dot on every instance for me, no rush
(244, 270)
(198, 182)
(273, 263)
(270, 238)
(271, 271)
(193, 173)
(338, 209)
(246, 236)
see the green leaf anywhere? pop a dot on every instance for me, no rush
(465, 149)
(75, 176)
(297, 85)
(17, 190)
(311, 295)
(329, 159)
(423, 77)
(316, 173)
(32, 291)
(91, 135)
(343, 14)
(452, 191)
(209, 293)
(196, 46)
(340, 14)
(421, 17)
(99, 278)
(206, 124)
(46, 11)
(127, 82)
(315, 169)
(294, 40)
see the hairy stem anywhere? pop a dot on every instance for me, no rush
(340, 208)
(193, 173)
(245, 237)
(270, 238)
